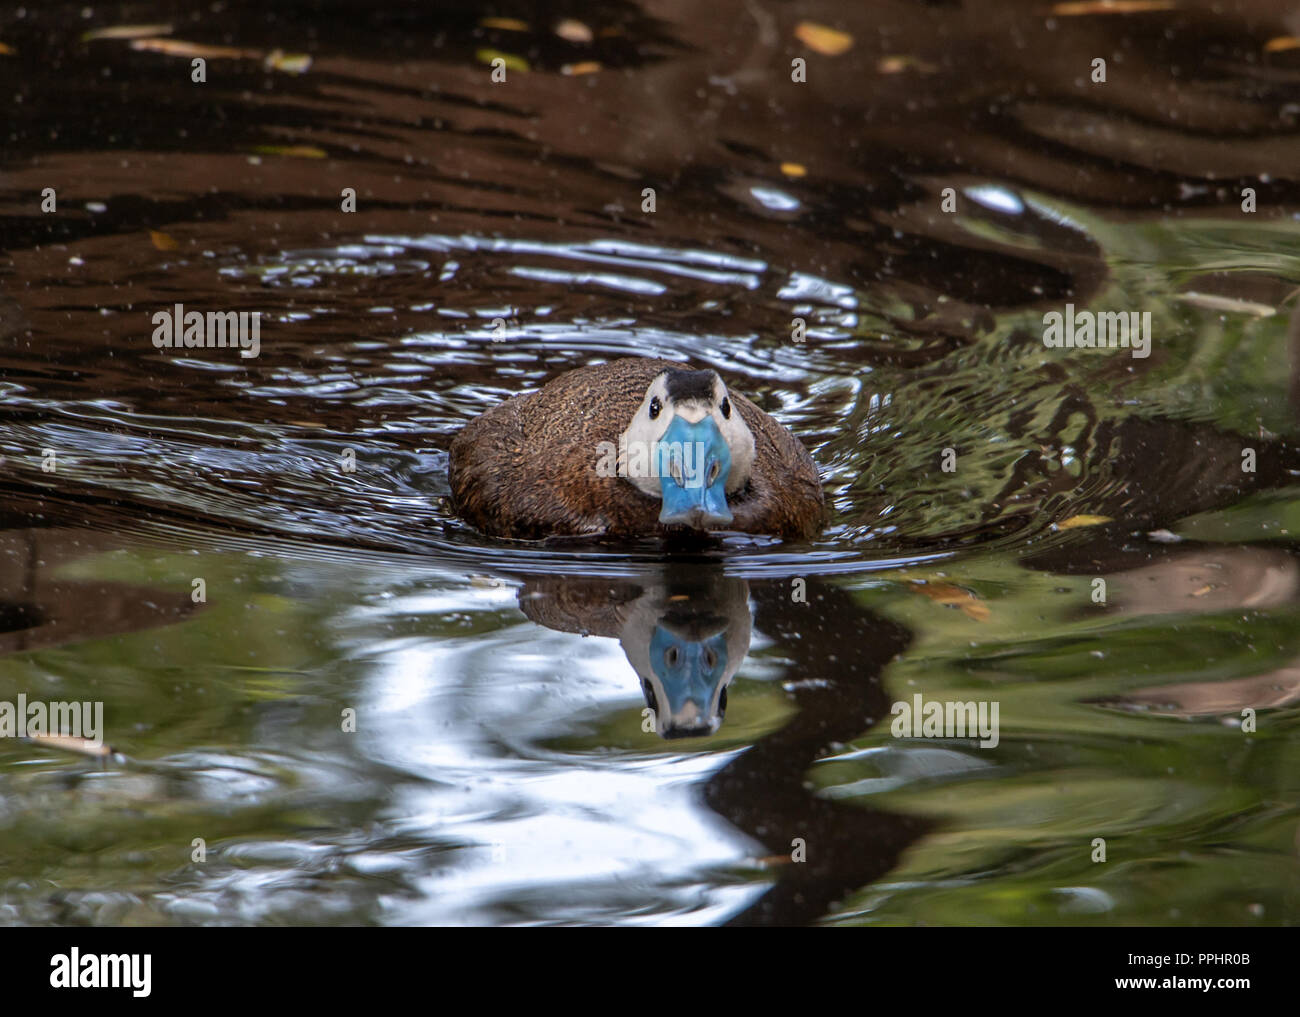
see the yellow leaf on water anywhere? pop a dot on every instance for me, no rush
(899, 64)
(290, 63)
(293, 151)
(1282, 42)
(178, 47)
(125, 32)
(793, 169)
(584, 67)
(1077, 7)
(954, 596)
(1076, 521)
(512, 62)
(162, 241)
(5, 49)
(505, 24)
(828, 41)
(573, 31)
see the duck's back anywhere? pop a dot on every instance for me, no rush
(528, 467)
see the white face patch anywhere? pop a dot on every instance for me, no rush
(638, 458)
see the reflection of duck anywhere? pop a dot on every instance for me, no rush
(685, 633)
(635, 447)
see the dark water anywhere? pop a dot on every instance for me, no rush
(501, 770)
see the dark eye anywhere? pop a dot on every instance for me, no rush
(655, 407)
(726, 409)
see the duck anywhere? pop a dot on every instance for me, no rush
(633, 448)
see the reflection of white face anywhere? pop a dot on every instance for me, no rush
(728, 602)
(638, 444)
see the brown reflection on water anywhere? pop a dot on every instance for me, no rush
(39, 610)
(696, 104)
(1184, 582)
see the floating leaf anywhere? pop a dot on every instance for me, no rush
(178, 47)
(290, 63)
(1281, 43)
(125, 32)
(793, 169)
(505, 24)
(293, 151)
(1215, 302)
(514, 63)
(573, 31)
(162, 241)
(5, 49)
(954, 596)
(899, 64)
(585, 67)
(69, 743)
(1077, 7)
(1074, 522)
(827, 41)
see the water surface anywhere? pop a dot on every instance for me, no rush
(502, 769)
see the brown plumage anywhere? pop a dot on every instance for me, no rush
(528, 468)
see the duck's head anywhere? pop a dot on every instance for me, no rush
(688, 447)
